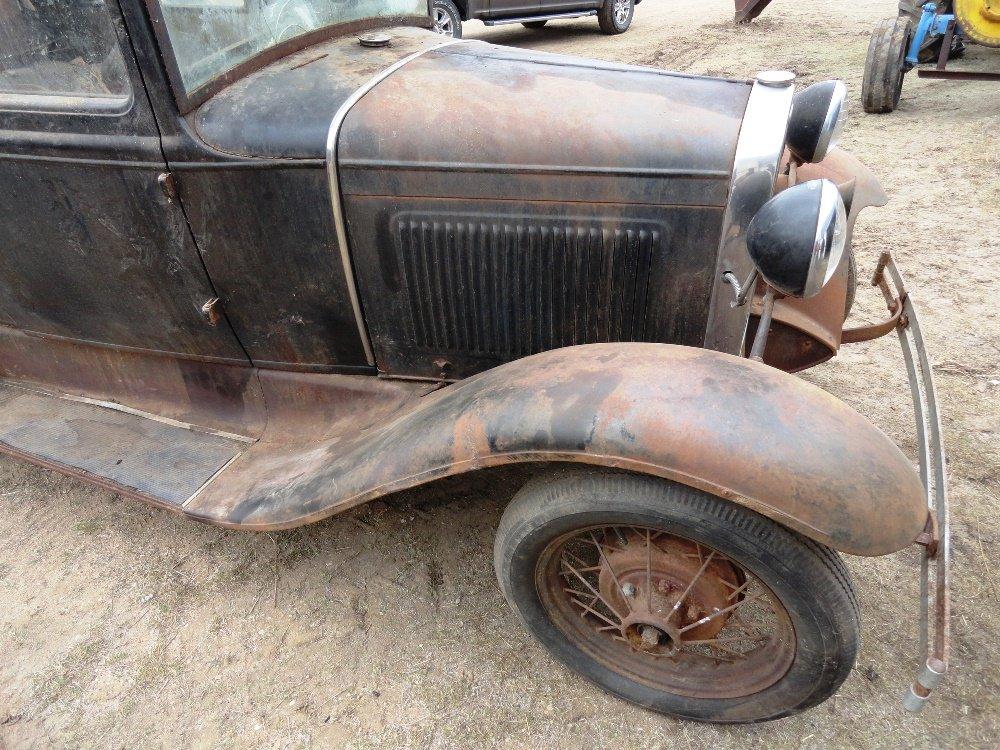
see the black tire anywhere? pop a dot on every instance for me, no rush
(886, 65)
(534, 24)
(810, 581)
(447, 20)
(615, 16)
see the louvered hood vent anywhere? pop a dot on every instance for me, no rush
(451, 294)
(505, 290)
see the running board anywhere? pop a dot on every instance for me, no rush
(138, 454)
(549, 17)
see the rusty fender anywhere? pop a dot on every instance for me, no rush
(741, 430)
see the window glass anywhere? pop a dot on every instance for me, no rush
(209, 37)
(59, 48)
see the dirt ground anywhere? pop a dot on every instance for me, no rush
(122, 626)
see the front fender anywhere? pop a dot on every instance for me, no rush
(735, 428)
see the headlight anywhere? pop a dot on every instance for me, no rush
(817, 119)
(797, 238)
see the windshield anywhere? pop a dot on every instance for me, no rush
(210, 37)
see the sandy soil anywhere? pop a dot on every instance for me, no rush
(121, 626)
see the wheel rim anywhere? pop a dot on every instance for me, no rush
(621, 9)
(665, 611)
(443, 23)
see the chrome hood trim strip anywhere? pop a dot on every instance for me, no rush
(755, 168)
(333, 178)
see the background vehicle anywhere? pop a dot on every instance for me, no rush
(923, 33)
(614, 16)
(258, 270)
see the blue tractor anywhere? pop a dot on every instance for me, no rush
(925, 32)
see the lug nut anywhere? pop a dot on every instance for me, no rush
(628, 590)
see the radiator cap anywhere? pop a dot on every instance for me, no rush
(375, 39)
(776, 78)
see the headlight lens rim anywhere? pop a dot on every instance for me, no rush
(819, 113)
(798, 238)
(833, 123)
(830, 240)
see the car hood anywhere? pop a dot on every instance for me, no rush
(284, 109)
(477, 106)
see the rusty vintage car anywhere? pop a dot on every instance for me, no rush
(265, 261)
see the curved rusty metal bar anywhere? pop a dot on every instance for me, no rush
(936, 543)
(875, 330)
(737, 429)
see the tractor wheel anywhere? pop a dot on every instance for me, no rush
(980, 20)
(886, 65)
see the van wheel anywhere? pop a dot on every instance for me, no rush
(615, 16)
(674, 599)
(534, 24)
(447, 20)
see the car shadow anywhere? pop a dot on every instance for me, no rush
(518, 36)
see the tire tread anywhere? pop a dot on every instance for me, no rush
(884, 65)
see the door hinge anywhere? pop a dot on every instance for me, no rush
(168, 186)
(212, 310)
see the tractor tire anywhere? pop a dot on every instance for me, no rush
(886, 65)
(980, 20)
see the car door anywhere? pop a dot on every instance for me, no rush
(93, 246)
(507, 8)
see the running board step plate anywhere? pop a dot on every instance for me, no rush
(549, 17)
(159, 460)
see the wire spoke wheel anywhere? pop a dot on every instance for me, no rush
(675, 599)
(666, 611)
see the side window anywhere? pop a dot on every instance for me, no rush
(56, 54)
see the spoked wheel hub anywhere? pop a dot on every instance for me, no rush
(659, 587)
(666, 611)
